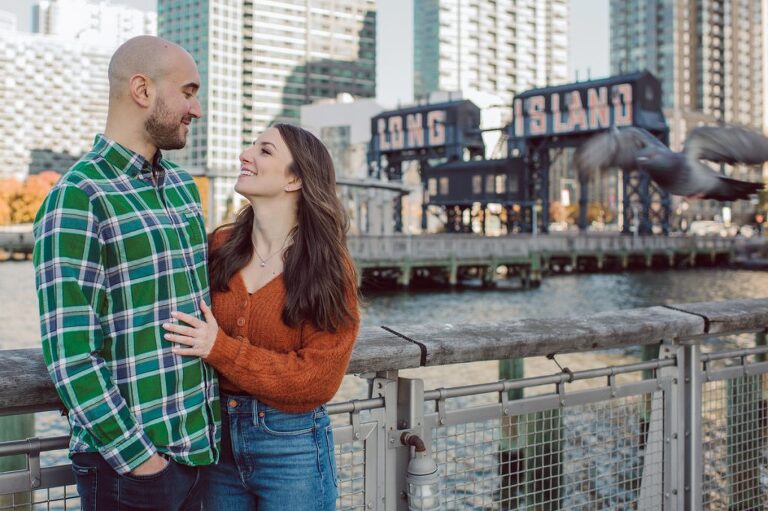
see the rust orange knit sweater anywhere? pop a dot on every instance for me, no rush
(255, 353)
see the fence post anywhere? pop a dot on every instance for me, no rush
(656, 421)
(389, 484)
(15, 427)
(760, 341)
(511, 456)
(403, 411)
(693, 460)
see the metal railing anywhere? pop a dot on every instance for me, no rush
(684, 430)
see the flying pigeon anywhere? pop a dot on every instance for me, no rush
(681, 173)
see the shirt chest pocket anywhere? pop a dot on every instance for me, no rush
(191, 223)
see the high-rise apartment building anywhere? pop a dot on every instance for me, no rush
(92, 21)
(708, 55)
(498, 47)
(54, 90)
(259, 61)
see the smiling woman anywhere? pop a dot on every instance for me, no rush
(282, 328)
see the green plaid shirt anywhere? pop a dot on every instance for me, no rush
(114, 255)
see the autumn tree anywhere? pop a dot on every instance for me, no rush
(203, 187)
(9, 188)
(19, 202)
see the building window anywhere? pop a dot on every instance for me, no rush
(490, 180)
(501, 183)
(432, 186)
(443, 186)
(477, 185)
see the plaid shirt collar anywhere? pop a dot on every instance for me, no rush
(126, 161)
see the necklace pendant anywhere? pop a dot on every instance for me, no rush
(263, 264)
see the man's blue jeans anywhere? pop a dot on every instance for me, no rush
(271, 460)
(175, 488)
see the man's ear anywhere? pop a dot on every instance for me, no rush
(141, 89)
(293, 185)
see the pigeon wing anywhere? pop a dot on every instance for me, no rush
(613, 148)
(726, 145)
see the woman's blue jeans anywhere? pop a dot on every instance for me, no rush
(271, 460)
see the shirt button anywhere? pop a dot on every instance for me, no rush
(262, 414)
(233, 403)
(240, 321)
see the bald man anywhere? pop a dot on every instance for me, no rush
(119, 244)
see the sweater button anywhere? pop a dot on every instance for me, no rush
(244, 304)
(240, 338)
(240, 321)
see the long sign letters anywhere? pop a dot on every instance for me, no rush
(408, 131)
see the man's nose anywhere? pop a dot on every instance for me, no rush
(196, 111)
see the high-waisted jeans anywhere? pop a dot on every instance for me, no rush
(271, 460)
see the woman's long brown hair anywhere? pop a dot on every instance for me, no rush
(318, 272)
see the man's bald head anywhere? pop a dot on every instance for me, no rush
(146, 55)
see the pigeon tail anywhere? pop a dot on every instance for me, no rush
(732, 189)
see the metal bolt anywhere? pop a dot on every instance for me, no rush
(674, 492)
(666, 495)
(667, 439)
(442, 421)
(674, 435)
(506, 411)
(357, 436)
(391, 440)
(369, 505)
(35, 482)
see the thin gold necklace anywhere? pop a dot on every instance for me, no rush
(264, 260)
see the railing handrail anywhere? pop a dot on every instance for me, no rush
(26, 386)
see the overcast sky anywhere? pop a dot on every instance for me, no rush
(588, 48)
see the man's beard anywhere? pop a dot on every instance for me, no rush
(163, 129)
